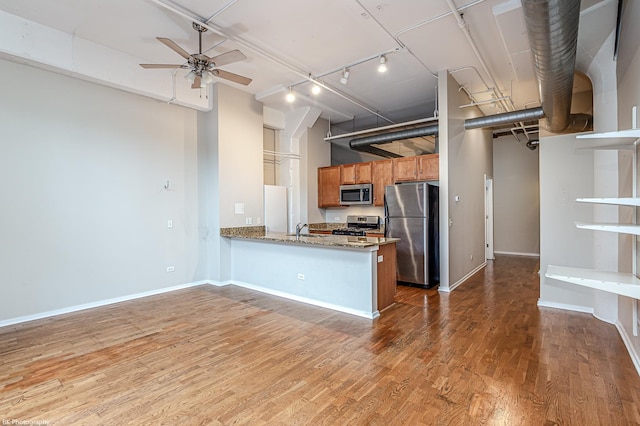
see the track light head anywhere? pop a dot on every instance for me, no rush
(316, 89)
(290, 96)
(383, 64)
(345, 76)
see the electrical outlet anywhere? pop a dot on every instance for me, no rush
(171, 268)
(169, 223)
(301, 277)
(336, 218)
(258, 221)
(248, 221)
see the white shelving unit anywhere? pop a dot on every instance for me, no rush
(620, 228)
(625, 284)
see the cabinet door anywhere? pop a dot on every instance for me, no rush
(363, 172)
(382, 176)
(348, 174)
(428, 167)
(404, 169)
(329, 186)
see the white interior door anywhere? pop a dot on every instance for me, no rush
(488, 216)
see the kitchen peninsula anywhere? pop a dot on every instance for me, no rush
(356, 275)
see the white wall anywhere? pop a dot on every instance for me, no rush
(465, 158)
(240, 168)
(516, 198)
(566, 173)
(317, 153)
(84, 209)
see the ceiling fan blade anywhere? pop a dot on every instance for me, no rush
(173, 46)
(162, 66)
(232, 77)
(227, 58)
(197, 82)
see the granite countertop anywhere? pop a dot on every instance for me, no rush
(308, 239)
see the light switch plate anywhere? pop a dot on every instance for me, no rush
(380, 259)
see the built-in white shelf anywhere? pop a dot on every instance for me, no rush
(619, 139)
(621, 283)
(620, 228)
(633, 201)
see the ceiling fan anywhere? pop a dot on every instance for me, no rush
(203, 68)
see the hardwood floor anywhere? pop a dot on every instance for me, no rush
(484, 354)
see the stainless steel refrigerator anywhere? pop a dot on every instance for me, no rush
(411, 214)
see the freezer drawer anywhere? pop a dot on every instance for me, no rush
(412, 249)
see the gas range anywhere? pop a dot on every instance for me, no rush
(358, 226)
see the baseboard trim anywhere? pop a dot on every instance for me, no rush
(630, 348)
(574, 308)
(363, 314)
(513, 253)
(463, 279)
(84, 306)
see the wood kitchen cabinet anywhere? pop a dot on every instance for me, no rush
(356, 173)
(387, 280)
(329, 186)
(423, 167)
(428, 167)
(382, 173)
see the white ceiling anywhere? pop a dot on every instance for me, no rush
(286, 40)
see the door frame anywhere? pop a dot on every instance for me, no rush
(488, 218)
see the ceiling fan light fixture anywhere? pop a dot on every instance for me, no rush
(290, 96)
(190, 76)
(345, 76)
(383, 64)
(207, 77)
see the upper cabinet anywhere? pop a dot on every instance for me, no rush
(382, 176)
(356, 173)
(423, 167)
(379, 173)
(329, 186)
(428, 167)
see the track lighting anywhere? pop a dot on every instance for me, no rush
(383, 64)
(345, 76)
(316, 89)
(290, 96)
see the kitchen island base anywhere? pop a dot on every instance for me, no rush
(341, 278)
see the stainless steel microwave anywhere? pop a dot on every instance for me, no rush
(356, 194)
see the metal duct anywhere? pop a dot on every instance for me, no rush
(377, 151)
(552, 26)
(504, 118)
(394, 136)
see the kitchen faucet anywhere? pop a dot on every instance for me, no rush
(300, 228)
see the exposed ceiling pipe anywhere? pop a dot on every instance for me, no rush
(378, 129)
(552, 26)
(463, 26)
(377, 151)
(364, 144)
(504, 118)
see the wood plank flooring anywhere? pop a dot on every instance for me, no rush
(484, 354)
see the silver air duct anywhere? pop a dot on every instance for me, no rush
(496, 120)
(362, 144)
(552, 26)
